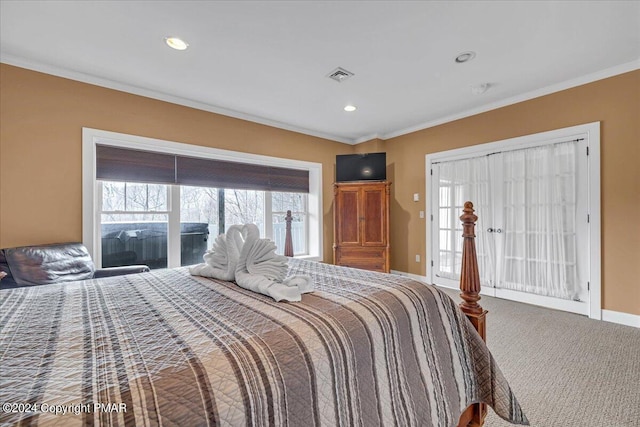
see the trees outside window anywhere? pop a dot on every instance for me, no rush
(135, 220)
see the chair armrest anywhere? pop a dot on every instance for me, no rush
(119, 271)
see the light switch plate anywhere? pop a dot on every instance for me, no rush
(416, 197)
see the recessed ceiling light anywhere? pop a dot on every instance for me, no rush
(465, 57)
(350, 108)
(176, 43)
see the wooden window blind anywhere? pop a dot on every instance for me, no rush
(124, 164)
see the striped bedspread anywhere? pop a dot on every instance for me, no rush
(166, 348)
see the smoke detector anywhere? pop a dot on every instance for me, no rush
(479, 89)
(340, 74)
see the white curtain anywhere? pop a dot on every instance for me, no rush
(539, 204)
(461, 181)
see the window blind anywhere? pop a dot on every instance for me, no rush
(124, 164)
(121, 164)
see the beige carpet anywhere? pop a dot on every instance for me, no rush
(565, 369)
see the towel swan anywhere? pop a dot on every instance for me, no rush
(221, 260)
(261, 270)
(241, 255)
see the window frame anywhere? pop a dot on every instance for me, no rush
(92, 197)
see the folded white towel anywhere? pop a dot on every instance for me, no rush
(260, 269)
(241, 255)
(261, 259)
(303, 283)
(222, 259)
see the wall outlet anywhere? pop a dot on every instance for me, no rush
(417, 258)
(421, 214)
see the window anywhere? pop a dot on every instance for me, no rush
(200, 205)
(244, 207)
(146, 201)
(135, 217)
(133, 224)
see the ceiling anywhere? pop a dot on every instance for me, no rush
(268, 61)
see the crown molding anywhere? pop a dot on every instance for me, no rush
(366, 138)
(161, 96)
(568, 84)
(124, 87)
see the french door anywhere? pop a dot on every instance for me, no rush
(532, 234)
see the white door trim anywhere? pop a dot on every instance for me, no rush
(589, 131)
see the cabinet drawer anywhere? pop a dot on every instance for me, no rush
(366, 258)
(362, 252)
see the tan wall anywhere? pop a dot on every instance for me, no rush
(42, 117)
(615, 102)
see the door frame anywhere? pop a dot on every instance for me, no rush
(589, 131)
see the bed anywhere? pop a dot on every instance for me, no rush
(168, 348)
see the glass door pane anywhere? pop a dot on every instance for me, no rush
(539, 213)
(458, 182)
(532, 233)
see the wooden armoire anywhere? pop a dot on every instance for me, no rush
(361, 225)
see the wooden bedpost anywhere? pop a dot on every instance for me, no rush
(288, 241)
(470, 287)
(469, 275)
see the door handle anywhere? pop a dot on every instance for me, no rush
(490, 230)
(498, 230)
(494, 230)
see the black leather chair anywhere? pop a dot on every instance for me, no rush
(55, 263)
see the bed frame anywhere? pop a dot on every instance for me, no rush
(475, 414)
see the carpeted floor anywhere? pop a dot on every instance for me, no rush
(565, 369)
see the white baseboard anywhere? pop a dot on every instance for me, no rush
(621, 318)
(607, 315)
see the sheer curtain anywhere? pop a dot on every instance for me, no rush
(458, 182)
(539, 211)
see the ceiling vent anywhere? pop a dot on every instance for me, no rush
(340, 74)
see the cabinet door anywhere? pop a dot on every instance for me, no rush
(348, 221)
(374, 202)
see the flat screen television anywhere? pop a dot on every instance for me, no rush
(361, 167)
